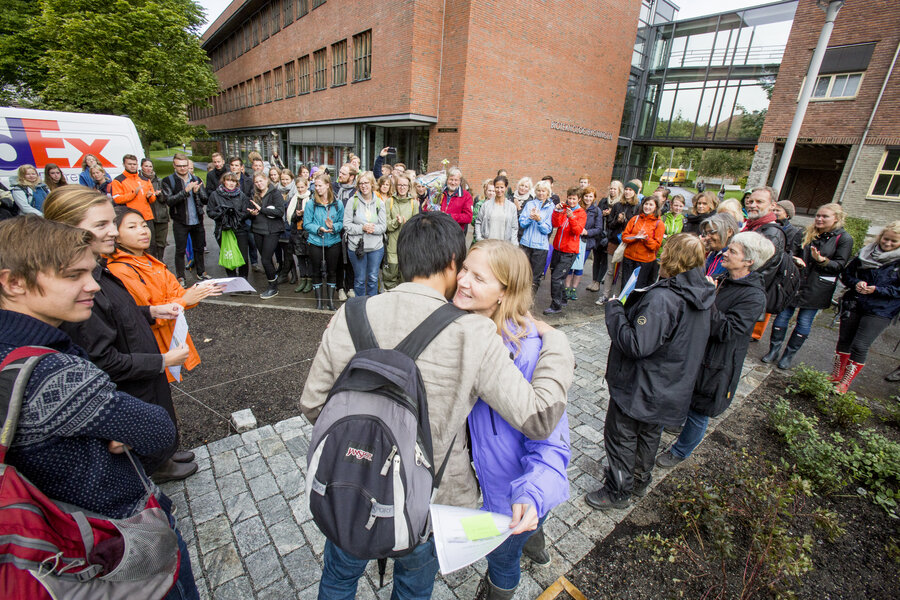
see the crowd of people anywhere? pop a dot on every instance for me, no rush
(82, 273)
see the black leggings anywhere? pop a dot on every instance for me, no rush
(600, 263)
(857, 333)
(538, 260)
(266, 244)
(332, 257)
(647, 275)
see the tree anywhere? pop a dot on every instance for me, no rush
(140, 58)
(726, 163)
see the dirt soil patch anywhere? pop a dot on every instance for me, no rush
(856, 565)
(255, 358)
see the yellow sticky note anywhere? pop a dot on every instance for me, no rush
(479, 527)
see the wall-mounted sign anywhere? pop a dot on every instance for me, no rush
(573, 128)
(447, 129)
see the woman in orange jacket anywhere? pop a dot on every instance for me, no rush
(642, 238)
(150, 282)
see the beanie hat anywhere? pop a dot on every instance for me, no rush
(633, 187)
(788, 207)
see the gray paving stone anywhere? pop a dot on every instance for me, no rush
(263, 486)
(240, 507)
(466, 590)
(172, 488)
(202, 588)
(274, 510)
(214, 533)
(254, 466)
(528, 588)
(574, 545)
(596, 525)
(291, 483)
(554, 528)
(221, 565)
(201, 452)
(229, 443)
(310, 593)
(456, 578)
(300, 509)
(205, 507)
(271, 446)
(263, 567)
(290, 428)
(440, 592)
(287, 537)
(225, 463)
(246, 451)
(186, 527)
(545, 576)
(252, 436)
(236, 589)
(282, 463)
(315, 537)
(267, 431)
(280, 590)
(203, 464)
(231, 485)
(297, 446)
(250, 535)
(194, 556)
(200, 483)
(568, 513)
(302, 568)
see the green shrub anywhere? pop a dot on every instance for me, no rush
(157, 146)
(844, 410)
(200, 158)
(810, 383)
(858, 228)
(876, 465)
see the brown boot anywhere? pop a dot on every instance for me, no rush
(173, 471)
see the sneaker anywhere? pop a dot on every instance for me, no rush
(181, 282)
(342, 296)
(552, 310)
(594, 287)
(667, 460)
(203, 276)
(269, 293)
(351, 294)
(602, 500)
(602, 300)
(573, 294)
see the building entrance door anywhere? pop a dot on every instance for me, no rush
(812, 188)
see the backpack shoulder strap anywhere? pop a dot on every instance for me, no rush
(358, 324)
(419, 338)
(15, 370)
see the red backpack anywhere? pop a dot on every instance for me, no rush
(51, 550)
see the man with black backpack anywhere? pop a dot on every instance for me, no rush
(461, 358)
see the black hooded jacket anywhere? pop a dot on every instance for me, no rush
(657, 340)
(739, 304)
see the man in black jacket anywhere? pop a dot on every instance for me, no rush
(214, 175)
(186, 196)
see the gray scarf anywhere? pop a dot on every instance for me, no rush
(873, 257)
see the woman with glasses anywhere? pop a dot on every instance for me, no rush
(716, 232)
(401, 208)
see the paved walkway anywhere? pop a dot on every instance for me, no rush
(244, 515)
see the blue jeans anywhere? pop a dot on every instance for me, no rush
(414, 573)
(691, 435)
(503, 562)
(185, 587)
(365, 271)
(805, 318)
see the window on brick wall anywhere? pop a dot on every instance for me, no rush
(278, 74)
(275, 10)
(267, 85)
(251, 94)
(303, 75)
(317, 3)
(288, 10)
(339, 63)
(362, 56)
(247, 38)
(886, 184)
(264, 21)
(290, 88)
(258, 84)
(837, 87)
(302, 8)
(254, 25)
(321, 75)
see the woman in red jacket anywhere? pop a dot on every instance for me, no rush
(642, 238)
(456, 201)
(569, 219)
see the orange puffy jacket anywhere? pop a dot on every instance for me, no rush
(151, 283)
(132, 191)
(643, 250)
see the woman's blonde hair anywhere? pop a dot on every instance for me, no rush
(620, 191)
(381, 181)
(811, 232)
(257, 195)
(511, 268)
(682, 252)
(484, 186)
(711, 199)
(20, 172)
(368, 175)
(893, 227)
(70, 204)
(329, 194)
(733, 208)
(530, 183)
(540, 185)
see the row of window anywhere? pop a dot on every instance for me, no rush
(295, 78)
(264, 23)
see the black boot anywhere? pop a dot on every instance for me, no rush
(775, 341)
(317, 288)
(488, 591)
(330, 305)
(271, 291)
(536, 548)
(793, 346)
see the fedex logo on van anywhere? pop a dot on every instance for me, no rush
(24, 142)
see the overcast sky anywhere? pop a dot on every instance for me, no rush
(689, 8)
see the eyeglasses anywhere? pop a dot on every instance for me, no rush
(708, 233)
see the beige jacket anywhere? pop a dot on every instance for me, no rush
(464, 362)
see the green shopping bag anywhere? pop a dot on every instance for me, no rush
(230, 255)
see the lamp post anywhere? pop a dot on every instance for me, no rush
(652, 164)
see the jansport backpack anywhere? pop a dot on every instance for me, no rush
(781, 276)
(371, 473)
(52, 550)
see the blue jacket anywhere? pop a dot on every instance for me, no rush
(512, 468)
(594, 229)
(885, 302)
(536, 234)
(314, 216)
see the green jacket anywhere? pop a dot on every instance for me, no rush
(397, 206)
(674, 224)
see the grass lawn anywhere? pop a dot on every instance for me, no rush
(164, 168)
(167, 152)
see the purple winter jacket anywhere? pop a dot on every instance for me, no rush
(512, 468)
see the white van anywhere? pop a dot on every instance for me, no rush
(38, 137)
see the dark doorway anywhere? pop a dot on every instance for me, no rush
(811, 188)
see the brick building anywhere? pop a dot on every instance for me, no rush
(533, 86)
(827, 165)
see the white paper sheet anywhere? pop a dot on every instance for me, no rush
(232, 284)
(179, 336)
(454, 550)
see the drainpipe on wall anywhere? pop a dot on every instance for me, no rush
(868, 125)
(806, 93)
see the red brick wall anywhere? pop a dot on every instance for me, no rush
(841, 121)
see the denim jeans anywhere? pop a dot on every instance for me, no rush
(414, 573)
(805, 318)
(365, 271)
(503, 562)
(185, 587)
(691, 435)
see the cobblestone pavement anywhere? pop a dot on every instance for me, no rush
(244, 515)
